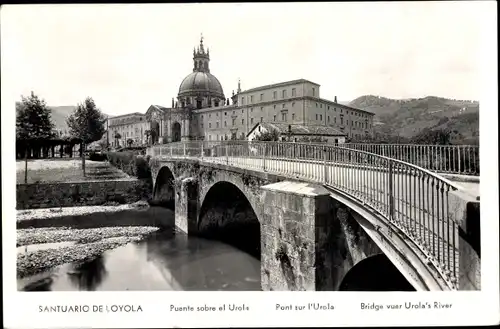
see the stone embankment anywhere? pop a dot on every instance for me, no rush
(88, 193)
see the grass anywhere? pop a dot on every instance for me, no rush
(55, 170)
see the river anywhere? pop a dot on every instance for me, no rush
(165, 260)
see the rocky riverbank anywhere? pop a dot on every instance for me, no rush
(48, 213)
(89, 243)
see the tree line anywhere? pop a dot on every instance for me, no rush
(35, 128)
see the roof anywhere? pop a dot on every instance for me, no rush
(345, 106)
(203, 82)
(124, 115)
(160, 108)
(296, 129)
(281, 84)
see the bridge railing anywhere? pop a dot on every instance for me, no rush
(451, 159)
(414, 200)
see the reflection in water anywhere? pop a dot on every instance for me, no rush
(40, 285)
(164, 261)
(88, 275)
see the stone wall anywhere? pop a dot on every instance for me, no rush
(73, 194)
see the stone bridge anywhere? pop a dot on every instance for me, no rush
(308, 235)
(326, 219)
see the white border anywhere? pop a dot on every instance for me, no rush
(469, 308)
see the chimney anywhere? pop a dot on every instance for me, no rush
(335, 100)
(172, 102)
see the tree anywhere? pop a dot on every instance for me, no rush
(33, 122)
(312, 139)
(117, 137)
(268, 136)
(86, 123)
(433, 137)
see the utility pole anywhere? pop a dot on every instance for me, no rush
(107, 133)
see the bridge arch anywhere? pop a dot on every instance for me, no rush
(227, 214)
(375, 273)
(164, 188)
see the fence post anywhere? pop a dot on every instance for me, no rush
(391, 192)
(264, 157)
(227, 154)
(202, 151)
(459, 160)
(184, 148)
(325, 154)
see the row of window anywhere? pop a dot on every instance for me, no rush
(283, 106)
(122, 121)
(284, 117)
(283, 94)
(129, 134)
(341, 111)
(243, 111)
(365, 125)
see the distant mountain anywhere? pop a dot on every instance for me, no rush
(408, 117)
(59, 116)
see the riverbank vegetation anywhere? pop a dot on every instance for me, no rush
(131, 163)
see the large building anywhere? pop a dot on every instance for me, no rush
(127, 129)
(202, 111)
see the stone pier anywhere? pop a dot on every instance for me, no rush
(186, 204)
(295, 229)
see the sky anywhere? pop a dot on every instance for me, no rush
(127, 57)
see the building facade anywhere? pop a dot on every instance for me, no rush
(123, 128)
(201, 111)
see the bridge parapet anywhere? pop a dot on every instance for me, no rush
(424, 206)
(447, 159)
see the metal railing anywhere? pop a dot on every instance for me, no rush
(450, 159)
(412, 199)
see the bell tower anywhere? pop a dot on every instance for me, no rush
(201, 58)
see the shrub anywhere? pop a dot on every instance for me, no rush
(131, 163)
(93, 156)
(124, 161)
(143, 171)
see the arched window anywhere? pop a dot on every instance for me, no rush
(216, 103)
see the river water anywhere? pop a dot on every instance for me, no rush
(166, 260)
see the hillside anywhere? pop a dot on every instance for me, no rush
(59, 116)
(408, 117)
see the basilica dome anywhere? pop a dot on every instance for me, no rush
(202, 84)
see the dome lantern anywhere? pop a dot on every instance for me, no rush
(201, 59)
(201, 87)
